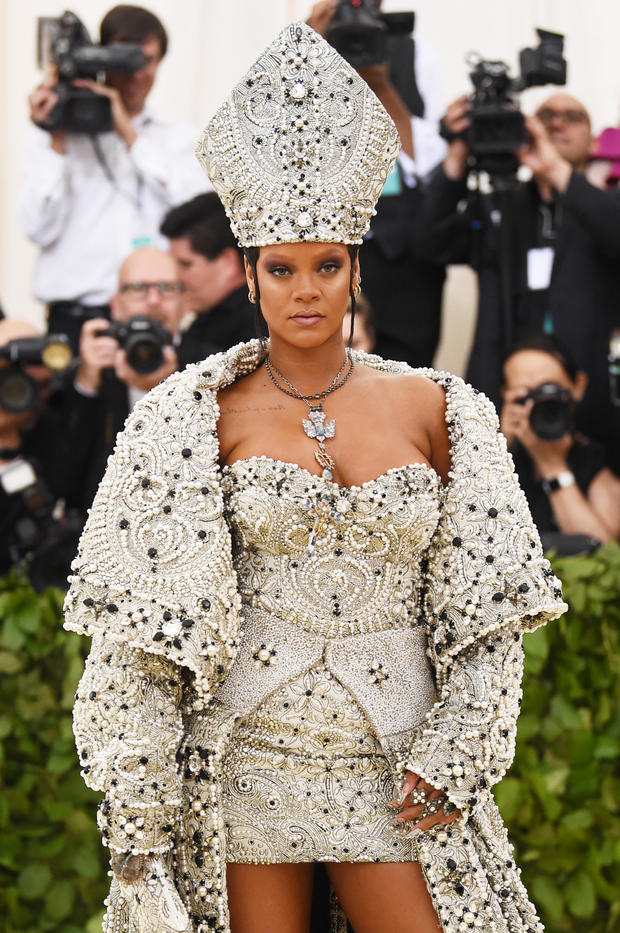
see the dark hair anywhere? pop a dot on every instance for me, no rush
(251, 254)
(546, 343)
(204, 222)
(127, 23)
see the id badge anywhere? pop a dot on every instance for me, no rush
(539, 266)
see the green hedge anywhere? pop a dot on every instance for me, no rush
(52, 865)
(560, 800)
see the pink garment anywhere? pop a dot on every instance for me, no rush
(608, 147)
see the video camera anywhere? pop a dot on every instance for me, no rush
(497, 126)
(64, 47)
(142, 339)
(360, 33)
(553, 412)
(18, 390)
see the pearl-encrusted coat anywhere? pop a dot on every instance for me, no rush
(153, 584)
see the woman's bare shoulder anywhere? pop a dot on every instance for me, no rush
(421, 404)
(415, 389)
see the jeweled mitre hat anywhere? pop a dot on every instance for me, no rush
(301, 148)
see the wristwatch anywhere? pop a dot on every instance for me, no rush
(561, 481)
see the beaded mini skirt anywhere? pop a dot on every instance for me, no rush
(305, 780)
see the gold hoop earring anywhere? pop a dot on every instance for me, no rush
(357, 291)
(252, 298)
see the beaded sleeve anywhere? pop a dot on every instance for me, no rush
(485, 568)
(128, 726)
(154, 566)
(486, 582)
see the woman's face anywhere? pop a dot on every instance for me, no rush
(529, 369)
(304, 290)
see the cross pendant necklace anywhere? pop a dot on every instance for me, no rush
(319, 429)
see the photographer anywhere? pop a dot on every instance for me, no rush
(87, 200)
(404, 290)
(564, 257)
(563, 474)
(36, 534)
(118, 364)
(210, 267)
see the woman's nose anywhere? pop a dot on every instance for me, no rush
(306, 287)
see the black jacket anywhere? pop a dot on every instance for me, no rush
(222, 327)
(91, 431)
(583, 299)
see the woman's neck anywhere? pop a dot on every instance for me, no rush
(310, 369)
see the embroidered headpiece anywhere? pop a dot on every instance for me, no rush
(301, 148)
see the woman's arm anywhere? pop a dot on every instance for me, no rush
(486, 582)
(128, 727)
(467, 740)
(127, 724)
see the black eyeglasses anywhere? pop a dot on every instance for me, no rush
(141, 289)
(547, 115)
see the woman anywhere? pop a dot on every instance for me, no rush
(567, 484)
(376, 526)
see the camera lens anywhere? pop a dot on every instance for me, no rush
(18, 392)
(551, 416)
(144, 353)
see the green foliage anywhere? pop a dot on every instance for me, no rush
(561, 800)
(52, 863)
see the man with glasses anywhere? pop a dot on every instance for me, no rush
(564, 257)
(106, 386)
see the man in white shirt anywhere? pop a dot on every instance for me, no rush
(88, 201)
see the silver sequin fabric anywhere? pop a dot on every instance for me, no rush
(310, 773)
(306, 780)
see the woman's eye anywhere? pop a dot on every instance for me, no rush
(278, 270)
(331, 266)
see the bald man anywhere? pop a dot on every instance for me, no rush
(563, 247)
(106, 387)
(148, 285)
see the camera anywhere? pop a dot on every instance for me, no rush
(553, 412)
(497, 126)
(65, 48)
(32, 537)
(142, 339)
(614, 368)
(360, 33)
(18, 390)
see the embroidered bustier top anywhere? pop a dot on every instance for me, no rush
(350, 602)
(363, 573)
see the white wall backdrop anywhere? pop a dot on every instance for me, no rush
(213, 41)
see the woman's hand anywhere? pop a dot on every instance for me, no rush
(423, 804)
(149, 892)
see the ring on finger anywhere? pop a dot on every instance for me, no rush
(432, 806)
(418, 795)
(448, 807)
